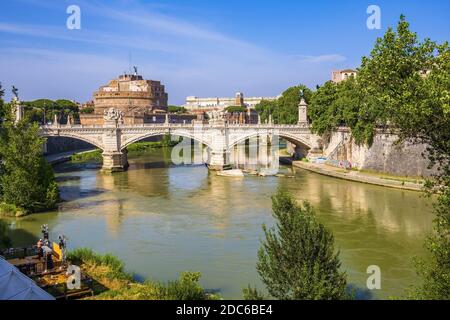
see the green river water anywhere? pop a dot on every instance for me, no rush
(162, 219)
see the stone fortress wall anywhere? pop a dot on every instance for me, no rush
(385, 155)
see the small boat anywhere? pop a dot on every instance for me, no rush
(231, 173)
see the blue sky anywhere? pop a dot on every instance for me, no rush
(195, 47)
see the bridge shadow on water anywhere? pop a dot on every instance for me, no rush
(73, 167)
(148, 165)
(160, 165)
(69, 193)
(72, 206)
(61, 179)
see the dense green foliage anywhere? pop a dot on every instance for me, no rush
(253, 294)
(45, 109)
(186, 288)
(403, 84)
(176, 109)
(143, 146)
(285, 109)
(87, 110)
(297, 259)
(113, 282)
(232, 109)
(27, 182)
(95, 155)
(334, 105)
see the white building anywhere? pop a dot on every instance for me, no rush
(194, 104)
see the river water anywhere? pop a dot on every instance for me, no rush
(162, 219)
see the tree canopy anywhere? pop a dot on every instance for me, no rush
(232, 109)
(176, 109)
(36, 110)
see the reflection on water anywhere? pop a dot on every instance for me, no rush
(163, 219)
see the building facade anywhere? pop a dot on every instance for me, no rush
(341, 75)
(199, 105)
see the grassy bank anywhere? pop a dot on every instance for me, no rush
(112, 282)
(145, 146)
(95, 155)
(10, 210)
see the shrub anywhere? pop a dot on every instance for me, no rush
(185, 288)
(297, 260)
(250, 293)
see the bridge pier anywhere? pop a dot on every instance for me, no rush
(219, 160)
(115, 161)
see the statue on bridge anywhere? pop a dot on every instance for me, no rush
(216, 117)
(113, 116)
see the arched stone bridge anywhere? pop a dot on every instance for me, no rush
(219, 138)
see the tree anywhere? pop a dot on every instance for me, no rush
(239, 109)
(250, 293)
(297, 259)
(265, 108)
(44, 110)
(325, 118)
(391, 81)
(87, 110)
(27, 180)
(176, 109)
(285, 109)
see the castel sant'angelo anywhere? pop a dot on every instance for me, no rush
(139, 100)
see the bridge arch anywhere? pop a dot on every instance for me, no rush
(179, 133)
(84, 138)
(298, 141)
